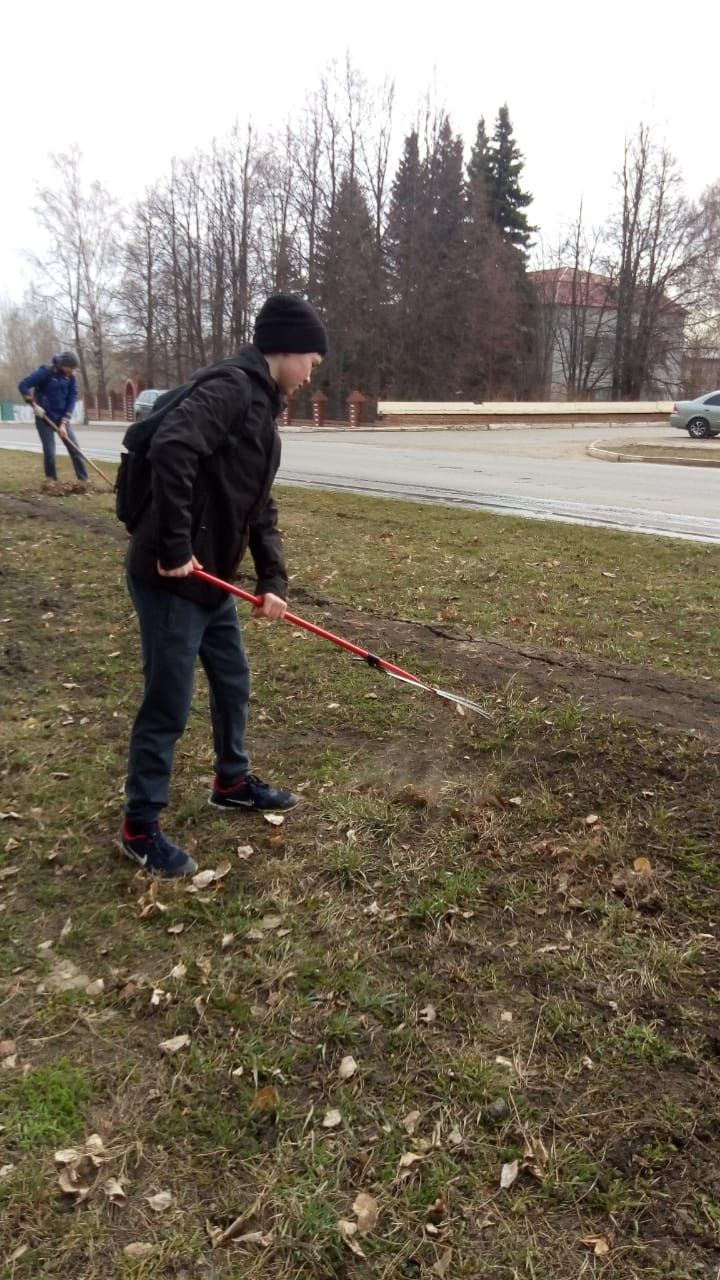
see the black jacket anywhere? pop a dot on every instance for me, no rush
(214, 459)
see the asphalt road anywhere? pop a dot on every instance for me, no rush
(544, 473)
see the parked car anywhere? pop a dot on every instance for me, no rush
(145, 402)
(700, 417)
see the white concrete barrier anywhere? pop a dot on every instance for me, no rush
(483, 413)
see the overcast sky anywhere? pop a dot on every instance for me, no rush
(137, 83)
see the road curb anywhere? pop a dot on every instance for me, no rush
(378, 428)
(596, 450)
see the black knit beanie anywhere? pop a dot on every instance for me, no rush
(67, 358)
(287, 325)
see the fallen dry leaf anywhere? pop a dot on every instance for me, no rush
(509, 1173)
(176, 928)
(271, 922)
(409, 1123)
(366, 1210)
(410, 1158)
(504, 1062)
(202, 879)
(428, 1014)
(115, 1193)
(66, 1156)
(331, 1119)
(592, 820)
(275, 819)
(78, 1178)
(95, 1146)
(642, 866)
(7, 1047)
(174, 1044)
(244, 851)
(347, 1231)
(160, 1201)
(598, 1244)
(95, 988)
(138, 1250)
(226, 940)
(266, 1100)
(178, 970)
(347, 1067)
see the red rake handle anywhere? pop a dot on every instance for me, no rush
(295, 621)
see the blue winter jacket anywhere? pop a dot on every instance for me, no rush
(55, 393)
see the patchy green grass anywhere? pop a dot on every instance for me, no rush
(47, 1105)
(457, 904)
(618, 595)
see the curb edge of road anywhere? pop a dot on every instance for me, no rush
(596, 450)
(376, 428)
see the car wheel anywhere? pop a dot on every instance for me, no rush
(698, 428)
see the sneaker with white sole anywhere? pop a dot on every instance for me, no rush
(252, 793)
(152, 850)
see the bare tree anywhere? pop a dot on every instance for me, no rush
(28, 337)
(584, 336)
(139, 290)
(78, 274)
(657, 253)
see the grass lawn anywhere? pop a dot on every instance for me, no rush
(457, 1016)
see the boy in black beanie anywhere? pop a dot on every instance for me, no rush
(214, 455)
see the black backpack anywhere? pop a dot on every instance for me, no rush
(133, 483)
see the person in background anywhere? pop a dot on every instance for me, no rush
(53, 388)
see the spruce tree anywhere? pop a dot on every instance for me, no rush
(444, 312)
(346, 249)
(487, 357)
(479, 170)
(508, 200)
(404, 270)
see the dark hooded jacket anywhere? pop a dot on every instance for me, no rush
(214, 458)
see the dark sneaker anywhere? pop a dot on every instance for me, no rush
(251, 793)
(151, 849)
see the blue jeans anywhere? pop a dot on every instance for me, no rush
(48, 438)
(174, 633)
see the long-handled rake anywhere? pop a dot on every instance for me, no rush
(40, 413)
(381, 664)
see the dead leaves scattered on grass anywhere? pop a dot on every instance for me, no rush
(366, 1210)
